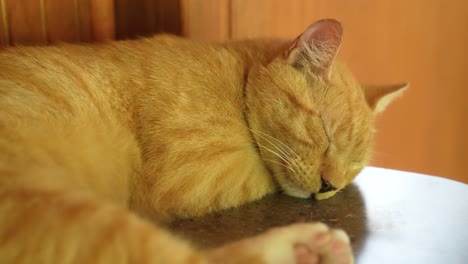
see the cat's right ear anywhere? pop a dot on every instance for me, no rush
(316, 48)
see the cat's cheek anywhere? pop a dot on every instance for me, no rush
(323, 196)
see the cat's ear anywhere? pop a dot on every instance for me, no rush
(316, 47)
(379, 97)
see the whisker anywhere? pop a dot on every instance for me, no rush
(276, 154)
(282, 148)
(276, 162)
(277, 140)
(284, 152)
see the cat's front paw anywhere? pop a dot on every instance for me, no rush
(298, 243)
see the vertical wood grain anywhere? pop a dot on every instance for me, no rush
(386, 42)
(103, 19)
(26, 21)
(4, 28)
(206, 19)
(32, 22)
(130, 18)
(138, 18)
(168, 18)
(62, 21)
(249, 19)
(83, 11)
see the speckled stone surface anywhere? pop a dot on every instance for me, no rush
(390, 216)
(345, 211)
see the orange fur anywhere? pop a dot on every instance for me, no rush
(167, 128)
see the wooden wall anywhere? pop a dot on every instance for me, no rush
(136, 18)
(421, 41)
(29, 22)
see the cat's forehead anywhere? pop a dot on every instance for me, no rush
(343, 87)
(344, 103)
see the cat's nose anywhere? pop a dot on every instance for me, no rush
(326, 186)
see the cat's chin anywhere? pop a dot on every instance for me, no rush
(291, 189)
(323, 196)
(297, 193)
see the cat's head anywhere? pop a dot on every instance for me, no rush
(312, 121)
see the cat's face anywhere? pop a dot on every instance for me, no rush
(312, 121)
(311, 132)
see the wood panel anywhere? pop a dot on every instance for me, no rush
(84, 20)
(137, 18)
(26, 21)
(4, 37)
(206, 19)
(133, 18)
(31, 22)
(168, 17)
(102, 19)
(423, 42)
(61, 18)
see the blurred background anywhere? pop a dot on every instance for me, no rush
(424, 42)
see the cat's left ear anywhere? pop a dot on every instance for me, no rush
(316, 48)
(379, 97)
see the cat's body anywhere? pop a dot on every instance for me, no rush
(166, 127)
(135, 123)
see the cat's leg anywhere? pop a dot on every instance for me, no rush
(45, 226)
(298, 243)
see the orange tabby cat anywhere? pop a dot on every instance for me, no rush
(167, 128)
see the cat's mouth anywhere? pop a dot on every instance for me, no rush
(289, 186)
(326, 191)
(294, 189)
(291, 189)
(326, 185)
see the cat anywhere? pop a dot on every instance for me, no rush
(99, 140)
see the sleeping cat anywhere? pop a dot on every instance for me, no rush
(94, 139)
